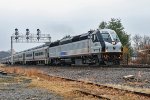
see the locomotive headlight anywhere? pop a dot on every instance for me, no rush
(113, 42)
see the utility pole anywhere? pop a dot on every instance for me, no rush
(12, 51)
(28, 38)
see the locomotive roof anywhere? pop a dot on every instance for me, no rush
(71, 39)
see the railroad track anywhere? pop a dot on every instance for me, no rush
(104, 66)
(107, 66)
(111, 66)
(101, 86)
(122, 66)
(93, 94)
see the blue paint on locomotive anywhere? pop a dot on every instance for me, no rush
(63, 53)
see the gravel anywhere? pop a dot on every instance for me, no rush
(20, 91)
(102, 75)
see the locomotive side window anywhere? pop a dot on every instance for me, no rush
(94, 38)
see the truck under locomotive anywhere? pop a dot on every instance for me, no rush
(94, 47)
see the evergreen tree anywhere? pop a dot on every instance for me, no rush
(103, 25)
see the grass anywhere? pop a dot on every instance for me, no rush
(65, 89)
(14, 79)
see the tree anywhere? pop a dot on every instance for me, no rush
(146, 42)
(137, 39)
(142, 46)
(103, 25)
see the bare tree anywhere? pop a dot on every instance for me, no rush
(142, 43)
(137, 39)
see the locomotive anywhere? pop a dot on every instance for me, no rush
(101, 46)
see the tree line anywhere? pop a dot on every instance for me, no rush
(141, 49)
(141, 42)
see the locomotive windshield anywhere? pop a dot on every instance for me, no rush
(106, 37)
(114, 36)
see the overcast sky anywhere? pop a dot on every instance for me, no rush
(69, 17)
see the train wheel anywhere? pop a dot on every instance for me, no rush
(117, 62)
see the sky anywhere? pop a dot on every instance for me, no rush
(69, 17)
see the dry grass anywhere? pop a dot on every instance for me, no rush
(69, 89)
(64, 89)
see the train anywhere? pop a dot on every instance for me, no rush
(101, 46)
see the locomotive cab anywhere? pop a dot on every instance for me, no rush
(106, 44)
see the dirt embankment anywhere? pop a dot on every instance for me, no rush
(17, 87)
(72, 89)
